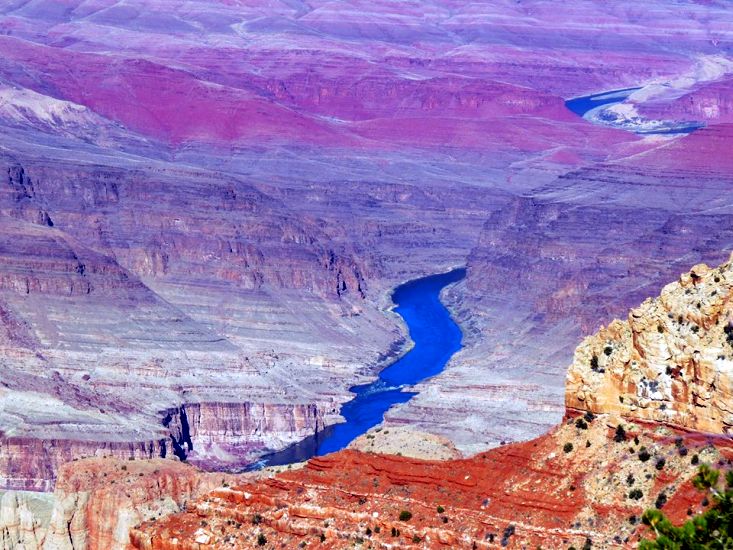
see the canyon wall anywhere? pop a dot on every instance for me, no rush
(668, 362)
(215, 214)
(97, 501)
(647, 402)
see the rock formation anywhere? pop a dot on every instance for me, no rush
(206, 206)
(97, 501)
(646, 403)
(669, 362)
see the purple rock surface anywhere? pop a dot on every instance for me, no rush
(204, 206)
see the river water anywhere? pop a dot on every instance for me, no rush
(592, 108)
(436, 338)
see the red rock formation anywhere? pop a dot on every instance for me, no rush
(528, 494)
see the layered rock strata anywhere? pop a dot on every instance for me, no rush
(646, 404)
(668, 362)
(208, 204)
(97, 501)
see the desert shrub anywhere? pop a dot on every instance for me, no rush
(567, 447)
(661, 501)
(261, 540)
(620, 435)
(711, 529)
(635, 494)
(405, 515)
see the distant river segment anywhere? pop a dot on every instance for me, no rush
(436, 338)
(594, 109)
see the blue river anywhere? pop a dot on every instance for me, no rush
(582, 106)
(436, 338)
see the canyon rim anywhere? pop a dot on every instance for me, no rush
(206, 209)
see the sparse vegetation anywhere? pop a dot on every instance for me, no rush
(620, 435)
(711, 529)
(661, 501)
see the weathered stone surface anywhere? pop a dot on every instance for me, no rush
(97, 501)
(207, 203)
(526, 494)
(669, 361)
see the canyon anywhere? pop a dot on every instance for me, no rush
(205, 208)
(647, 400)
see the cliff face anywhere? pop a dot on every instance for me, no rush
(669, 361)
(210, 435)
(647, 401)
(97, 501)
(541, 492)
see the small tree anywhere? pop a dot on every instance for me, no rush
(711, 529)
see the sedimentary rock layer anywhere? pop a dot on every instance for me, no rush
(533, 493)
(668, 361)
(619, 450)
(206, 204)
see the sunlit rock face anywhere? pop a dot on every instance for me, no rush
(204, 205)
(669, 362)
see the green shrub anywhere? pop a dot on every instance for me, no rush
(711, 529)
(440, 509)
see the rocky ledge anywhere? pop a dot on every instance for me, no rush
(670, 361)
(646, 402)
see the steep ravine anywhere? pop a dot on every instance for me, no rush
(584, 482)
